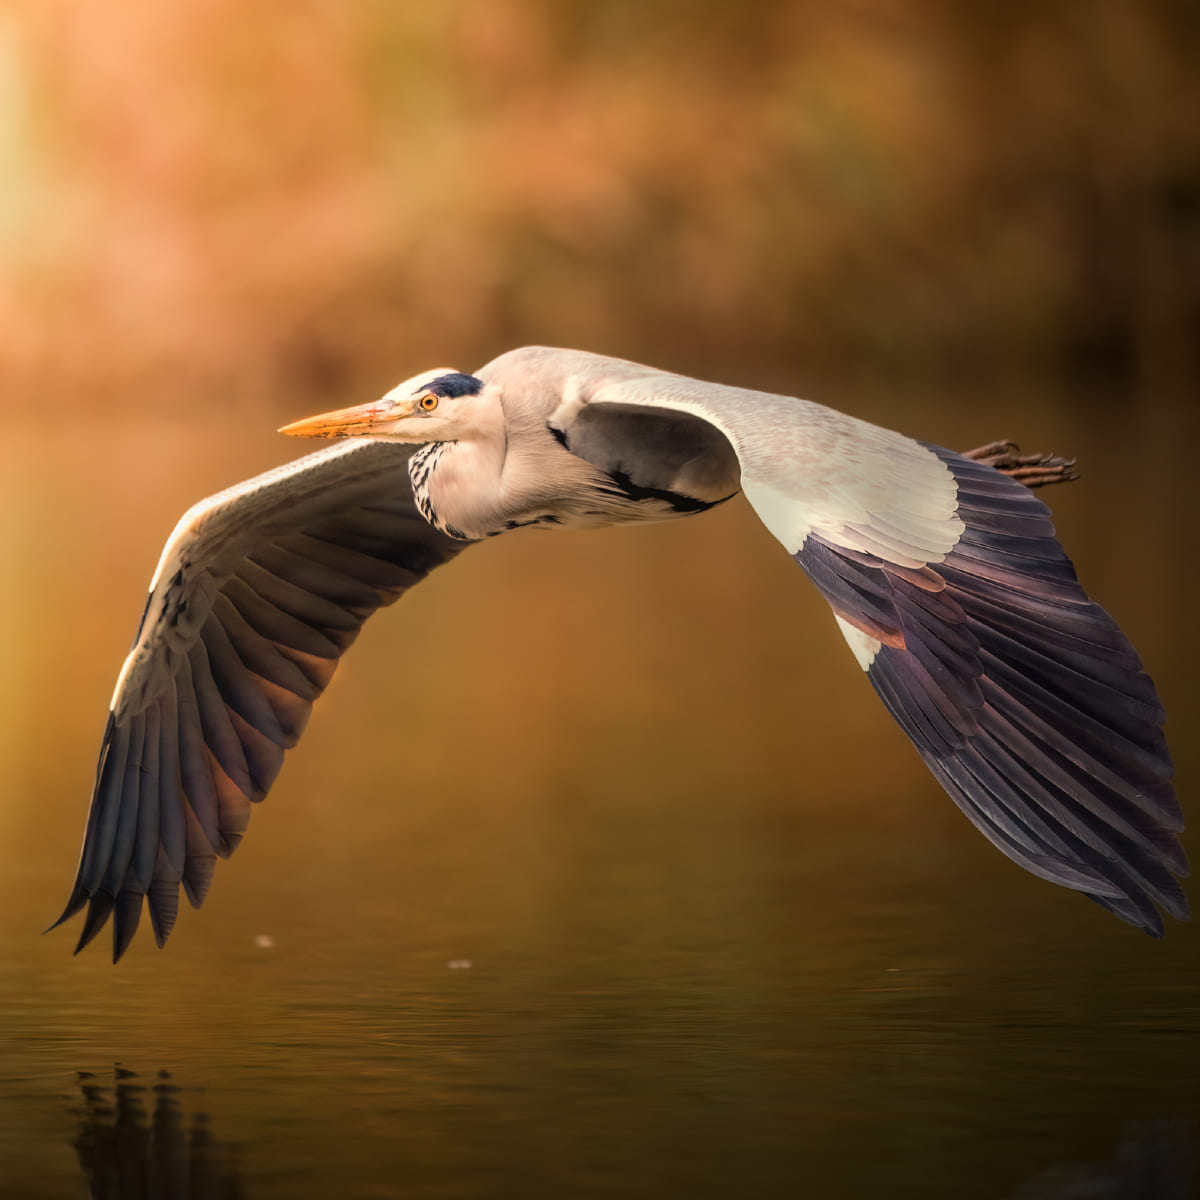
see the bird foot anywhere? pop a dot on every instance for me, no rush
(1033, 470)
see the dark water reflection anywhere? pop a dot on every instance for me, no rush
(598, 1058)
(725, 937)
(1152, 1161)
(141, 1141)
(134, 1142)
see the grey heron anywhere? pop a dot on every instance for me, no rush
(1022, 695)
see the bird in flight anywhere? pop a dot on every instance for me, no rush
(1022, 695)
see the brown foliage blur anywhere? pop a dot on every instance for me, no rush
(316, 197)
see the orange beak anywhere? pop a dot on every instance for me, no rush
(361, 421)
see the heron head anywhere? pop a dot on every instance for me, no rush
(435, 406)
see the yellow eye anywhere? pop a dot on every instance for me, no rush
(428, 402)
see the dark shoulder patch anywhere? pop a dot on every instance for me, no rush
(678, 501)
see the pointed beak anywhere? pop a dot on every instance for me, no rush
(361, 421)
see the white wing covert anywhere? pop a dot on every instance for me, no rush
(1022, 695)
(259, 592)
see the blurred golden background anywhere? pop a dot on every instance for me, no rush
(285, 201)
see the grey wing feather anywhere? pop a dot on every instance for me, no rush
(1022, 695)
(260, 591)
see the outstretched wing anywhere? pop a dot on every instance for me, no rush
(259, 591)
(1022, 695)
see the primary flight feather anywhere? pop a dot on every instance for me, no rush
(1022, 695)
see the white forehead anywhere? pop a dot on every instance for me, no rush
(410, 387)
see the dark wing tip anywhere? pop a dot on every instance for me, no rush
(75, 902)
(127, 912)
(1143, 917)
(237, 666)
(100, 907)
(163, 902)
(1024, 698)
(125, 909)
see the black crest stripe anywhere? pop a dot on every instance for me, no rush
(454, 385)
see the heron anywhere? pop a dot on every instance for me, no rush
(1022, 695)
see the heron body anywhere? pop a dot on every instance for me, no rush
(945, 578)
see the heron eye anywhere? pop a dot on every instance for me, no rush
(428, 402)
